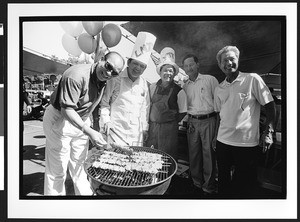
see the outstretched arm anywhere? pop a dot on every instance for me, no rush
(72, 116)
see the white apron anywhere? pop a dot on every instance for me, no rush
(126, 114)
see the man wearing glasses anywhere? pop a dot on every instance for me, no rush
(126, 102)
(67, 123)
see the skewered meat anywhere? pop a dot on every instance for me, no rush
(138, 161)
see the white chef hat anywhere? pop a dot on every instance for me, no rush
(167, 56)
(143, 47)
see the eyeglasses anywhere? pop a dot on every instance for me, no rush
(110, 68)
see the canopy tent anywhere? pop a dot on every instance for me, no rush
(34, 64)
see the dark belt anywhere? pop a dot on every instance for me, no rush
(206, 116)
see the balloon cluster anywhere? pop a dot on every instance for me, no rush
(75, 40)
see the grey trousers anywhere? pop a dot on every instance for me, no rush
(202, 157)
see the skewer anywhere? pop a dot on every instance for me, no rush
(119, 136)
(162, 171)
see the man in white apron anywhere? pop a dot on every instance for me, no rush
(66, 123)
(125, 103)
(168, 106)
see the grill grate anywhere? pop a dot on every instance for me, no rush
(127, 178)
(130, 178)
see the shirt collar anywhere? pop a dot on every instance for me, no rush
(159, 82)
(94, 80)
(198, 77)
(164, 91)
(124, 74)
(239, 78)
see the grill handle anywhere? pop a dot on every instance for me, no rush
(103, 191)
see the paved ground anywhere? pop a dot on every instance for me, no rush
(34, 167)
(34, 163)
(34, 160)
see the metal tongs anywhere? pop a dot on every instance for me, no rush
(124, 149)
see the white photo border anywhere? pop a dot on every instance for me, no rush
(143, 208)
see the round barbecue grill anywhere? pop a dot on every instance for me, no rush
(110, 182)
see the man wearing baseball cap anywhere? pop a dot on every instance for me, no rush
(125, 103)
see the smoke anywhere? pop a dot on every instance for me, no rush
(206, 38)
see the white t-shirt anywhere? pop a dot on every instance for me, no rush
(239, 106)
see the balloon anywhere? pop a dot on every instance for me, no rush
(111, 35)
(87, 43)
(93, 28)
(72, 28)
(70, 44)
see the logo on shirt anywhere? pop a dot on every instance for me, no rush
(243, 96)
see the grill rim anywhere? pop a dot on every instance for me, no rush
(88, 164)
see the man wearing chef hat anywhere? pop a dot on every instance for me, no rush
(125, 103)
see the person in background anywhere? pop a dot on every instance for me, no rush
(201, 126)
(66, 123)
(27, 105)
(125, 104)
(38, 111)
(168, 106)
(238, 100)
(276, 100)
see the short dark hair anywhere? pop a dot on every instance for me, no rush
(190, 56)
(129, 60)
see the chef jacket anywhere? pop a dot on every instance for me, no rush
(126, 104)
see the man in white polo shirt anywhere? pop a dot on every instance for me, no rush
(238, 100)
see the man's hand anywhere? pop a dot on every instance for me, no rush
(95, 137)
(107, 127)
(214, 143)
(266, 140)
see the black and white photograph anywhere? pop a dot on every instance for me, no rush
(124, 110)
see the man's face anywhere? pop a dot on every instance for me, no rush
(190, 67)
(110, 68)
(136, 68)
(167, 73)
(229, 63)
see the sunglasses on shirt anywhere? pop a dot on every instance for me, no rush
(109, 68)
